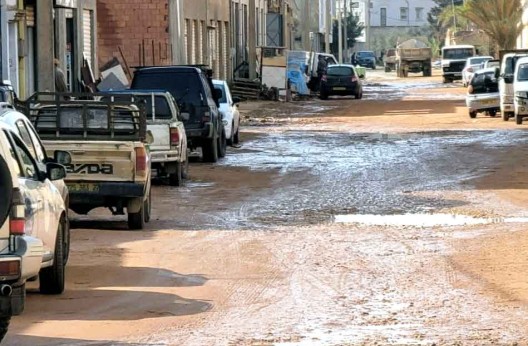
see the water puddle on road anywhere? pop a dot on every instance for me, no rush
(423, 220)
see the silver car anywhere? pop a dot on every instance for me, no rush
(483, 93)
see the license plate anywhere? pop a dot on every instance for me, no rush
(487, 102)
(83, 187)
(339, 88)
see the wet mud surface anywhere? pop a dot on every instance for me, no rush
(392, 220)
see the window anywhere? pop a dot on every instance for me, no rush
(39, 150)
(383, 16)
(341, 71)
(404, 13)
(419, 14)
(28, 169)
(24, 134)
(222, 99)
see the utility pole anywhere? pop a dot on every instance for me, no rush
(252, 41)
(306, 26)
(367, 24)
(345, 5)
(339, 37)
(328, 19)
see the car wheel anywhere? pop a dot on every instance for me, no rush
(185, 168)
(505, 116)
(147, 205)
(236, 138)
(472, 115)
(4, 325)
(210, 150)
(136, 221)
(52, 278)
(446, 80)
(518, 119)
(66, 240)
(222, 144)
(176, 178)
(231, 139)
(492, 114)
(323, 96)
(6, 190)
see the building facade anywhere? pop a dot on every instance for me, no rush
(66, 32)
(522, 41)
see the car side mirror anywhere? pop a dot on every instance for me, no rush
(55, 171)
(497, 72)
(62, 157)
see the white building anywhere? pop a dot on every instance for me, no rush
(522, 41)
(400, 13)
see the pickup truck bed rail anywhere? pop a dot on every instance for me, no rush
(94, 116)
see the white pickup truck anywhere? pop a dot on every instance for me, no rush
(107, 141)
(168, 147)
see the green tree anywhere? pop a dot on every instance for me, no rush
(354, 30)
(499, 19)
(438, 29)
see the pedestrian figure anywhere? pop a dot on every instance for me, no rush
(321, 70)
(60, 79)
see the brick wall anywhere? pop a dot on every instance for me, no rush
(139, 27)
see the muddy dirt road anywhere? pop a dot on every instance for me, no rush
(392, 220)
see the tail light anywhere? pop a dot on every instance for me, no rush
(141, 161)
(354, 79)
(174, 136)
(206, 117)
(17, 221)
(324, 78)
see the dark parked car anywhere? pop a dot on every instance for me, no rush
(365, 59)
(193, 90)
(341, 80)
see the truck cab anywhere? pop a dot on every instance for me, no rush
(453, 61)
(509, 61)
(520, 89)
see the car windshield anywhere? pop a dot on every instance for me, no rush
(477, 61)
(366, 54)
(458, 53)
(221, 87)
(184, 87)
(484, 83)
(522, 74)
(340, 71)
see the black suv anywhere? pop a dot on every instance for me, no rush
(192, 89)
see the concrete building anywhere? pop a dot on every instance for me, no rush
(522, 41)
(66, 31)
(388, 22)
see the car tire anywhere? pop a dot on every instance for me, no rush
(210, 150)
(446, 80)
(6, 189)
(136, 221)
(518, 119)
(52, 278)
(492, 114)
(323, 96)
(358, 95)
(387, 69)
(222, 144)
(4, 326)
(231, 139)
(185, 168)
(148, 207)
(236, 137)
(176, 178)
(505, 116)
(472, 115)
(66, 240)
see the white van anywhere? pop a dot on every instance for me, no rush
(507, 69)
(520, 90)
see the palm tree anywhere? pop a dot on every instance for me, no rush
(499, 19)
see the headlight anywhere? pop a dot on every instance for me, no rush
(521, 94)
